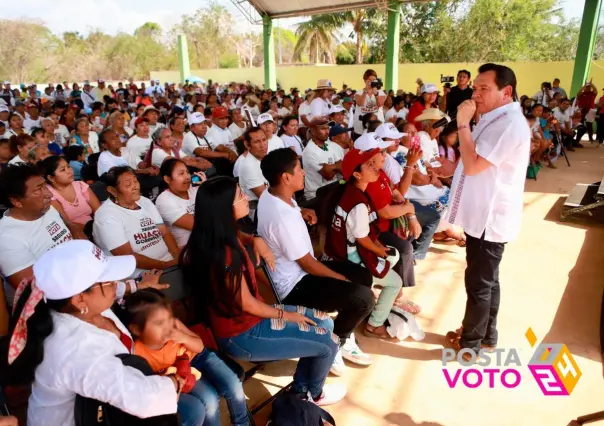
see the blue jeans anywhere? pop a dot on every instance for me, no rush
(429, 219)
(275, 339)
(200, 406)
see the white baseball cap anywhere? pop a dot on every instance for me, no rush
(263, 118)
(100, 80)
(336, 108)
(76, 265)
(429, 88)
(389, 130)
(369, 141)
(196, 118)
(4, 108)
(6, 82)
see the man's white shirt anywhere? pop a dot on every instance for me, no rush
(491, 202)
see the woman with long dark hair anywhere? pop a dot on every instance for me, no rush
(427, 99)
(65, 339)
(221, 276)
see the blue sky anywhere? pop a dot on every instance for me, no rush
(112, 16)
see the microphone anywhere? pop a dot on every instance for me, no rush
(443, 122)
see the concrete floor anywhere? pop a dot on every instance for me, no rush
(551, 280)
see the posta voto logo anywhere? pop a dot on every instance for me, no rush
(552, 366)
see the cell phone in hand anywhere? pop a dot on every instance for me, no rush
(415, 144)
(195, 180)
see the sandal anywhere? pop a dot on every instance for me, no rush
(408, 306)
(378, 333)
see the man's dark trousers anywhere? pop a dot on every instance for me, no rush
(482, 289)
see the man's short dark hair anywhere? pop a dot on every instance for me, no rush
(397, 100)
(37, 130)
(277, 162)
(556, 79)
(104, 133)
(248, 134)
(466, 72)
(504, 76)
(564, 100)
(13, 181)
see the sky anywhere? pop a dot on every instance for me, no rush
(112, 16)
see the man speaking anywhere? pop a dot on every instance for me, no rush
(486, 196)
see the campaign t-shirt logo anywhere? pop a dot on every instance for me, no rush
(149, 234)
(58, 233)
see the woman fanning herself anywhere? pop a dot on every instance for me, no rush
(66, 340)
(221, 276)
(176, 205)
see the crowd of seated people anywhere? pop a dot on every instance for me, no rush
(338, 194)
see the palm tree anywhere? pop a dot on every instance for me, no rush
(316, 38)
(360, 20)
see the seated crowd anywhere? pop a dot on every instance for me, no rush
(109, 192)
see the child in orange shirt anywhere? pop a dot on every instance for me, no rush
(168, 345)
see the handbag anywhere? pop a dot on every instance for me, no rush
(290, 410)
(399, 226)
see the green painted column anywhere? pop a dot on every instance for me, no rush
(585, 49)
(270, 73)
(392, 45)
(183, 58)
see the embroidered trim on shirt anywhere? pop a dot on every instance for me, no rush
(462, 178)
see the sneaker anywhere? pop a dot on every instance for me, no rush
(338, 367)
(351, 352)
(332, 394)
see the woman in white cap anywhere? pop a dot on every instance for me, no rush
(319, 107)
(66, 339)
(427, 99)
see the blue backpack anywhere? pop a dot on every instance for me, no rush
(290, 410)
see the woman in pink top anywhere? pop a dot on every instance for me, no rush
(74, 200)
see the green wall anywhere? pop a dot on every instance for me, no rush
(529, 74)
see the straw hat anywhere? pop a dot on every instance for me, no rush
(324, 84)
(431, 114)
(253, 98)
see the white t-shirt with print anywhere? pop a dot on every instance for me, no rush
(171, 208)
(115, 226)
(159, 155)
(24, 241)
(107, 160)
(314, 158)
(191, 142)
(429, 147)
(284, 231)
(370, 106)
(393, 169)
(138, 146)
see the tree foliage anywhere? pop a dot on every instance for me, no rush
(432, 31)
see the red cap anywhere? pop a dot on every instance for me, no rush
(220, 112)
(354, 158)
